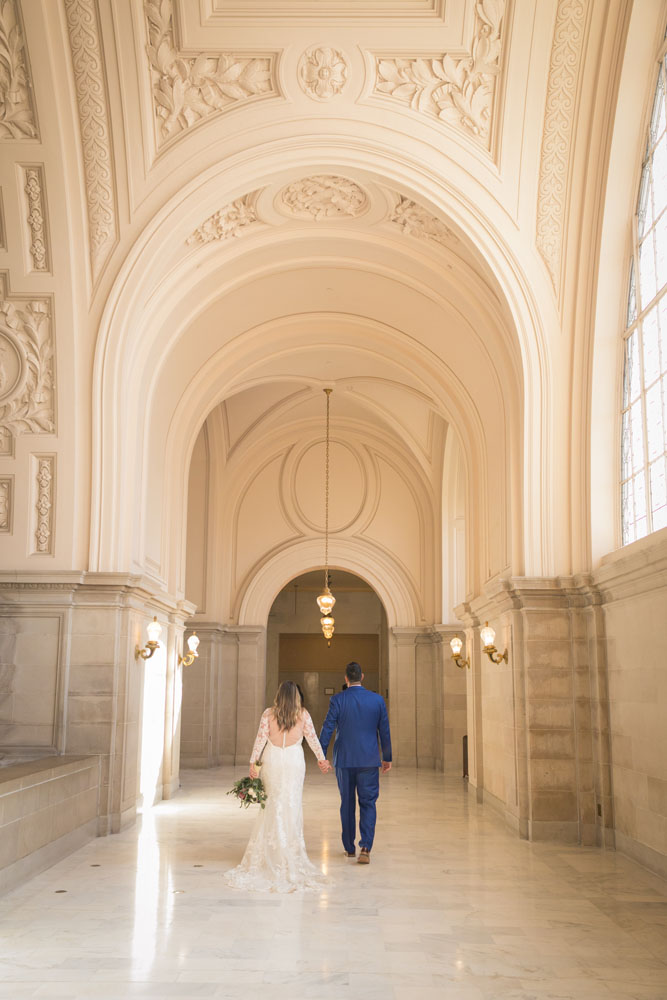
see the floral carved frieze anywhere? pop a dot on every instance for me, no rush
(187, 89)
(564, 67)
(44, 471)
(322, 73)
(323, 196)
(17, 111)
(6, 503)
(36, 217)
(231, 220)
(26, 368)
(414, 220)
(92, 102)
(459, 91)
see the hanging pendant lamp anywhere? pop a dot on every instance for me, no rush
(326, 600)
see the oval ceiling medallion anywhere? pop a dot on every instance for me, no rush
(347, 491)
(322, 72)
(323, 196)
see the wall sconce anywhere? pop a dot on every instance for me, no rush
(189, 658)
(456, 645)
(154, 630)
(488, 635)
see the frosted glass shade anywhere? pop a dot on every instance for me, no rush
(325, 602)
(456, 645)
(193, 643)
(154, 630)
(488, 635)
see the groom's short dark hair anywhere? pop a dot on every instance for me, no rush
(353, 672)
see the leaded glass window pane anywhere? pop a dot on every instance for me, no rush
(644, 399)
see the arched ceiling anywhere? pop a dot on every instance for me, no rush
(198, 183)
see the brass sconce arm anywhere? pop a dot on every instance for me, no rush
(495, 656)
(147, 651)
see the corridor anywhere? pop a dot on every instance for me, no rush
(453, 905)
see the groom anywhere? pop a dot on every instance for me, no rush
(358, 716)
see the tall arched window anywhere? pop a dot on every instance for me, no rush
(644, 415)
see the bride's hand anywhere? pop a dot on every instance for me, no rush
(324, 766)
(254, 773)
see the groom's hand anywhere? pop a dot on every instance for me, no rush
(324, 766)
(386, 766)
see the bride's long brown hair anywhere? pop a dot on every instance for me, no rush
(287, 705)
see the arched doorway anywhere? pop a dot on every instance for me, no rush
(296, 649)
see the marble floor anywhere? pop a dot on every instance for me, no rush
(452, 906)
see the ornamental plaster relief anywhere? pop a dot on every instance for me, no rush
(414, 220)
(43, 476)
(461, 91)
(323, 197)
(36, 218)
(27, 381)
(6, 504)
(322, 73)
(92, 102)
(564, 66)
(229, 221)
(17, 110)
(187, 90)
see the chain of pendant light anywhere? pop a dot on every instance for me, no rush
(326, 495)
(326, 600)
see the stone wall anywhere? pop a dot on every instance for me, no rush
(633, 583)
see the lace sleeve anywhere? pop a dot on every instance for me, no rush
(311, 735)
(262, 736)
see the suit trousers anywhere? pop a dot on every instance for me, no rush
(362, 783)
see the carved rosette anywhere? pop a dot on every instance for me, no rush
(27, 387)
(231, 220)
(564, 66)
(44, 469)
(92, 102)
(322, 73)
(6, 503)
(414, 220)
(323, 196)
(458, 91)
(17, 111)
(36, 217)
(187, 90)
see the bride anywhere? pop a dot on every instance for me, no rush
(275, 857)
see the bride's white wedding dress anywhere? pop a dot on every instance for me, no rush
(275, 858)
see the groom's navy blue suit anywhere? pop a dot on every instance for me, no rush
(358, 716)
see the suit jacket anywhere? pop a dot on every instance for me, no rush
(358, 716)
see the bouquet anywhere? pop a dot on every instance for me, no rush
(249, 792)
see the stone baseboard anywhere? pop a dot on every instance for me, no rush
(646, 856)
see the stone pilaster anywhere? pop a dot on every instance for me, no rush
(72, 637)
(251, 688)
(452, 700)
(543, 720)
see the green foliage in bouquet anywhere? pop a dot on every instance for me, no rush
(249, 792)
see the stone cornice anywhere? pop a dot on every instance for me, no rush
(74, 587)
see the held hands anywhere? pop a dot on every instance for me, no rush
(386, 766)
(324, 766)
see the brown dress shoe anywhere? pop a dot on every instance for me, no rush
(349, 854)
(364, 856)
